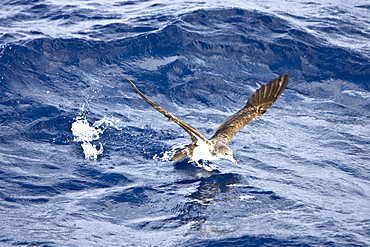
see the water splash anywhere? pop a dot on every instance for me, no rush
(86, 134)
(167, 155)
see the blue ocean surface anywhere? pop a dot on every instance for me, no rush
(84, 161)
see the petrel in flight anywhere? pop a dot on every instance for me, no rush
(216, 147)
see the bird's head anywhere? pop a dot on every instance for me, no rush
(224, 152)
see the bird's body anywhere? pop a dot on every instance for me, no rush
(216, 147)
(202, 151)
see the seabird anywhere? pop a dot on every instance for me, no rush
(216, 147)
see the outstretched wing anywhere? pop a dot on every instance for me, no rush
(195, 135)
(257, 105)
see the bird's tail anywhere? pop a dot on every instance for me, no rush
(181, 154)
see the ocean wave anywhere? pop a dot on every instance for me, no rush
(303, 174)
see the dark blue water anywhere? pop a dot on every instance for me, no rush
(85, 162)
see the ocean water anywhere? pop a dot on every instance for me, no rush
(84, 161)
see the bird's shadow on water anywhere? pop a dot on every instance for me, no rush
(193, 210)
(206, 193)
(216, 188)
(190, 169)
(211, 183)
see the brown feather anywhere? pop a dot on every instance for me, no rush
(257, 105)
(193, 132)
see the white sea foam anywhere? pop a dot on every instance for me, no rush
(92, 151)
(167, 155)
(85, 134)
(354, 93)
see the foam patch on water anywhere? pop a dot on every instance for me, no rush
(167, 155)
(92, 151)
(354, 93)
(85, 134)
(164, 156)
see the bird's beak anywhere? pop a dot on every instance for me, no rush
(234, 161)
